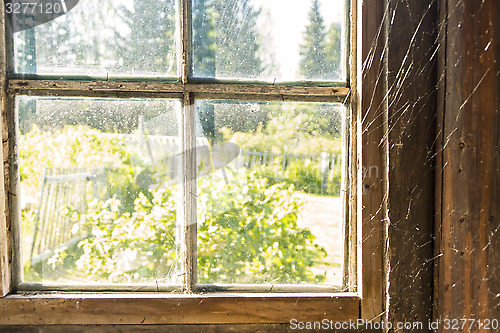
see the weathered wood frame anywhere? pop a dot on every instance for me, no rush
(366, 198)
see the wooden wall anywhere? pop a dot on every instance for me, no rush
(467, 283)
(411, 98)
(398, 122)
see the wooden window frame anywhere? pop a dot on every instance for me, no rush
(365, 300)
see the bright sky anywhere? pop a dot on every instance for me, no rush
(289, 19)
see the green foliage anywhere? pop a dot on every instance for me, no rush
(296, 129)
(321, 51)
(247, 237)
(130, 247)
(204, 16)
(237, 39)
(104, 36)
(313, 61)
(304, 175)
(249, 234)
(71, 146)
(74, 146)
(333, 49)
(152, 25)
(247, 228)
(226, 42)
(77, 40)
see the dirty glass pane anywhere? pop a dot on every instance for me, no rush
(90, 212)
(279, 40)
(268, 200)
(102, 38)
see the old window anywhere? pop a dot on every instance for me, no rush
(201, 146)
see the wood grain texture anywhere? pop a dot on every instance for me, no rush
(469, 253)
(189, 225)
(5, 257)
(227, 328)
(43, 87)
(411, 31)
(371, 112)
(441, 96)
(156, 309)
(352, 229)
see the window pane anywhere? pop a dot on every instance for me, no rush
(279, 40)
(269, 181)
(90, 212)
(103, 37)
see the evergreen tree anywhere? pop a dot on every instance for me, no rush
(313, 63)
(225, 44)
(133, 41)
(151, 43)
(237, 39)
(226, 39)
(204, 38)
(334, 49)
(89, 36)
(53, 43)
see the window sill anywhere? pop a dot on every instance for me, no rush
(135, 309)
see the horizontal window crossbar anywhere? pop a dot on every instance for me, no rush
(162, 287)
(170, 89)
(141, 308)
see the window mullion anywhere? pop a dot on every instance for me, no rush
(188, 227)
(185, 47)
(188, 219)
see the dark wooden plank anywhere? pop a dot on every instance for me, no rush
(411, 116)
(468, 283)
(373, 154)
(238, 328)
(493, 227)
(441, 96)
(476, 248)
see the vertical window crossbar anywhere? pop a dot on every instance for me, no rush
(188, 153)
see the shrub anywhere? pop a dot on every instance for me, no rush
(249, 236)
(247, 230)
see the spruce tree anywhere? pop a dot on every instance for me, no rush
(334, 49)
(238, 39)
(226, 39)
(204, 38)
(313, 62)
(151, 43)
(89, 36)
